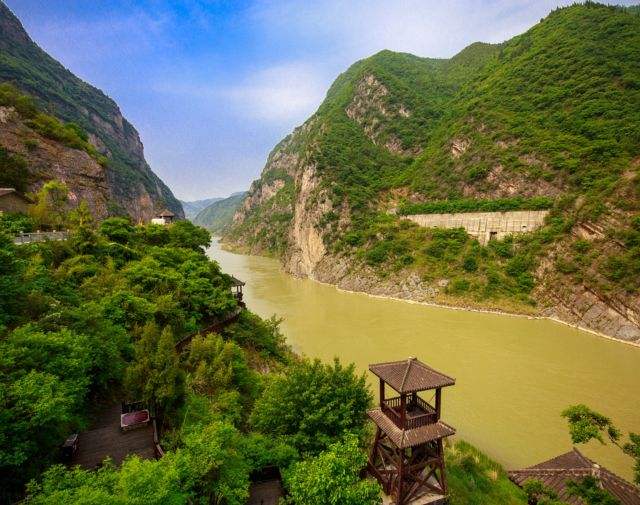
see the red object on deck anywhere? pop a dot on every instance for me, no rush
(132, 418)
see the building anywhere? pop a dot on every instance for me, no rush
(163, 218)
(407, 456)
(573, 465)
(12, 200)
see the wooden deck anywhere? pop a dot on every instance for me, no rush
(106, 440)
(265, 493)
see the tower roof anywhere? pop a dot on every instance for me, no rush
(410, 438)
(166, 213)
(411, 375)
(573, 465)
(236, 282)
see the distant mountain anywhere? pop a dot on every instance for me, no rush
(117, 178)
(551, 115)
(192, 208)
(218, 215)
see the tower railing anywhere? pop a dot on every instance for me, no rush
(418, 412)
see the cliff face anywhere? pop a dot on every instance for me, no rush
(533, 117)
(130, 184)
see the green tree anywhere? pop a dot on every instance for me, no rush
(186, 234)
(51, 205)
(586, 425)
(590, 491)
(117, 229)
(155, 376)
(333, 477)
(313, 404)
(83, 237)
(212, 466)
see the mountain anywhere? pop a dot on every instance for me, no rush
(120, 180)
(219, 214)
(552, 115)
(192, 208)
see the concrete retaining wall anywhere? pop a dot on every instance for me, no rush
(485, 226)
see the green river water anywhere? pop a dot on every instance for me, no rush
(514, 375)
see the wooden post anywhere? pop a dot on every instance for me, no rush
(403, 410)
(381, 394)
(438, 403)
(400, 473)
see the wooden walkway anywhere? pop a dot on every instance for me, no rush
(265, 493)
(214, 327)
(106, 440)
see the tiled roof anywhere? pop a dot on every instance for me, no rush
(236, 282)
(166, 213)
(410, 375)
(573, 465)
(410, 438)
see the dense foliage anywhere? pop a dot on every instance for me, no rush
(70, 314)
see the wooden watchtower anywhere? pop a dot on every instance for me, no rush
(407, 457)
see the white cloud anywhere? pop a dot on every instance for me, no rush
(359, 28)
(284, 93)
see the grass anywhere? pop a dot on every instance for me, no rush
(474, 479)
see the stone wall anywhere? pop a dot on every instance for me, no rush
(485, 226)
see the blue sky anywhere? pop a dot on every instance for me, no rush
(213, 85)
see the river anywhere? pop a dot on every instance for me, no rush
(514, 375)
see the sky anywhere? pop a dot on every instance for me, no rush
(213, 85)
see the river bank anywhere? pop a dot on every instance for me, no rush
(338, 274)
(514, 374)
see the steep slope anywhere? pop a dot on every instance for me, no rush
(551, 115)
(219, 214)
(191, 209)
(131, 185)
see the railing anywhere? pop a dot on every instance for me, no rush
(392, 408)
(157, 449)
(40, 236)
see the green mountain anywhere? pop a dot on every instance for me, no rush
(192, 208)
(550, 117)
(123, 181)
(219, 214)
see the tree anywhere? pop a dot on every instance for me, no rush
(117, 229)
(539, 494)
(51, 203)
(333, 477)
(83, 237)
(313, 404)
(586, 425)
(589, 490)
(212, 466)
(186, 234)
(155, 376)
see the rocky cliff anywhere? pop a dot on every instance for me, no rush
(126, 182)
(551, 113)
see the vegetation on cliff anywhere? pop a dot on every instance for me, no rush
(549, 117)
(218, 215)
(81, 108)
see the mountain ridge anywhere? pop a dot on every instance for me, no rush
(551, 113)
